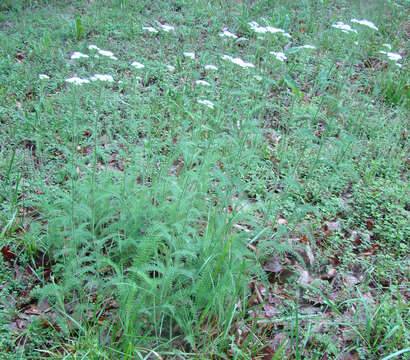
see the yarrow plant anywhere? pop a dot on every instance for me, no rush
(193, 203)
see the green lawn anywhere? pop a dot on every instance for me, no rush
(204, 179)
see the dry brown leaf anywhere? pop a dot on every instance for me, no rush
(273, 265)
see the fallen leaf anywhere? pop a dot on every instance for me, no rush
(304, 278)
(20, 324)
(351, 280)
(332, 226)
(309, 254)
(370, 224)
(7, 254)
(273, 265)
(330, 274)
(352, 355)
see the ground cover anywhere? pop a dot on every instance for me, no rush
(204, 179)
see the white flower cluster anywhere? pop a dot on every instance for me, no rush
(279, 55)
(226, 33)
(267, 29)
(163, 27)
(102, 52)
(346, 28)
(238, 61)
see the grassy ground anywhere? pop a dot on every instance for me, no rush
(139, 222)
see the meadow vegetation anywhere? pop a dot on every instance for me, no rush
(204, 179)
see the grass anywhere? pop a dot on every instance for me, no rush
(139, 223)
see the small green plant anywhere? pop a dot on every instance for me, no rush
(79, 29)
(142, 196)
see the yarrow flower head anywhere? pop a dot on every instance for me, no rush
(77, 81)
(210, 67)
(308, 47)
(189, 54)
(346, 28)
(150, 29)
(207, 103)
(137, 65)
(365, 23)
(226, 33)
(78, 55)
(43, 77)
(237, 61)
(279, 55)
(202, 82)
(102, 52)
(108, 54)
(392, 56)
(102, 77)
(267, 29)
(166, 27)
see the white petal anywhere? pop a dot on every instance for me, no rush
(43, 76)
(93, 47)
(171, 68)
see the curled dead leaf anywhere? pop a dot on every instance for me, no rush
(273, 265)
